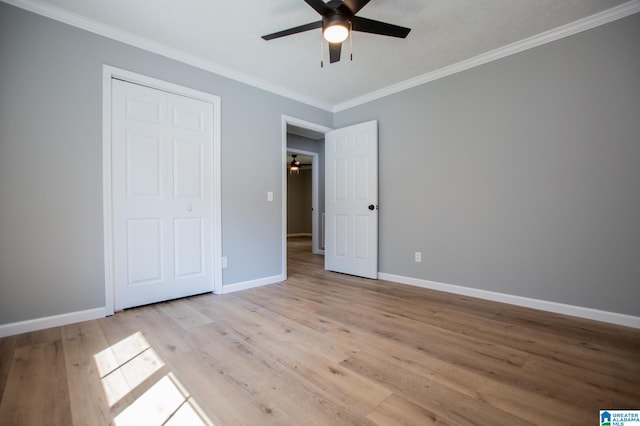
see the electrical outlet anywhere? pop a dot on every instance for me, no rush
(269, 196)
(224, 262)
(418, 256)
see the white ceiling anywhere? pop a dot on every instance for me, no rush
(225, 36)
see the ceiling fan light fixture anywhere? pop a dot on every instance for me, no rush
(336, 33)
(335, 28)
(294, 166)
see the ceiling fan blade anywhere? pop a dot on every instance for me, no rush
(294, 30)
(334, 52)
(376, 27)
(319, 6)
(355, 5)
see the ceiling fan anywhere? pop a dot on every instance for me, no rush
(295, 165)
(338, 20)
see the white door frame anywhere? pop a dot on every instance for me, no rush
(108, 74)
(305, 125)
(315, 226)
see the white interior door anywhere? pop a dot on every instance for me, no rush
(162, 195)
(351, 204)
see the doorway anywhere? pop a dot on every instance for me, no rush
(304, 139)
(351, 219)
(303, 197)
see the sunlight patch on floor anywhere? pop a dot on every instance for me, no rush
(125, 366)
(164, 403)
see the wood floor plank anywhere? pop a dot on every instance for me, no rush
(183, 314)
(48, 335)
(360, 394)
(7, 346)
(286, 395)
(245, 362)
(323, 348)
(270, 386)
(185, 358)
(221, 398)
(496, 329)
(397, 411)
(543, 342)
(459, 348)
(279, 328)
(81, 342)
(36, 392)
(597, 389)
(461, 372)
(277, 301)
(446, 404)
(197, 358)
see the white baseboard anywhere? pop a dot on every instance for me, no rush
(543, 305)
(91, 314)
(245, 285)
(300, 234)
(559, 308)
(52, 321)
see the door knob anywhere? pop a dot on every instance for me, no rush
(372, 207)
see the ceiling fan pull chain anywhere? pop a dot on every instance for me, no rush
(351, 41)
(321, 52)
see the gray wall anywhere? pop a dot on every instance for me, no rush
(521, 176)
(51, 241)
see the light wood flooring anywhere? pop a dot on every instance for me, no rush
(321, 349)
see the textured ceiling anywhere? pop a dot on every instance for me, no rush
(226, 34)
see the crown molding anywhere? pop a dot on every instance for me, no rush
(618, 12)
(601, 18)
(75, 20)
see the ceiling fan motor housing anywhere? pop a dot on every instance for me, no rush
(335, 19)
